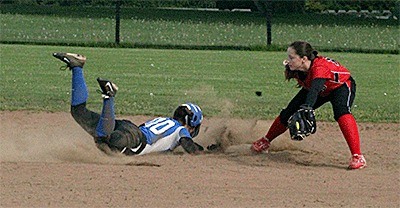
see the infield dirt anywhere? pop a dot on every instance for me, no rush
(47, 160)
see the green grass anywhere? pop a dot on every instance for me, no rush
(158, 27)
(223, 83)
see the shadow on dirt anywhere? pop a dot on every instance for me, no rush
(282, 158)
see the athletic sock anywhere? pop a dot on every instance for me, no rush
(276, 129)
(79, 89)
(107, 118)
(349, 128)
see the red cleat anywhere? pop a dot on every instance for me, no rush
(357, 162)
(260, 145)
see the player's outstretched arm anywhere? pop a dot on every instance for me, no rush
(190, 146)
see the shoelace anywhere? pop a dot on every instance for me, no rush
(63, 68)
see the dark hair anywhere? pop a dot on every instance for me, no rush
(302, 49)
(182, 114)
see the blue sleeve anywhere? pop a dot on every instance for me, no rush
(184, 133)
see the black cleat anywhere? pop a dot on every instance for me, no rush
(108, 89)
(71, 59)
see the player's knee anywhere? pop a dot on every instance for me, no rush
(77, 110)
(118, 140)
(99, 140)
(284, 116)
(339, 114)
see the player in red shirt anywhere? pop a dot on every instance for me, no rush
(321, 80)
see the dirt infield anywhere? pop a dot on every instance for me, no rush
(47, 160)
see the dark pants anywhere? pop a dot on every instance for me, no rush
(125, 134)
(341, 99)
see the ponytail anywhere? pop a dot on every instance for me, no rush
(313, 55)
(289, 74)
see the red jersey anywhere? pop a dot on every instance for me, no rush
(334, 73)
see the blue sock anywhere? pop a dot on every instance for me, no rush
(107, 118)
(79, 89)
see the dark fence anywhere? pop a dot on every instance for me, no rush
(194, 28)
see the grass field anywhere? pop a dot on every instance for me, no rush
(160, 27)
(153, 82)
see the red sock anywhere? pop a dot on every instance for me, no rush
(349, 128)
(276, 129)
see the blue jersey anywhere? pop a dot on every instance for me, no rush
(163, 134)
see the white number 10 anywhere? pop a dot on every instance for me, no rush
(160, 125)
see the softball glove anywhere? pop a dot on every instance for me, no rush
(302, 123)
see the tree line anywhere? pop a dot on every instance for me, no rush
(277, 6)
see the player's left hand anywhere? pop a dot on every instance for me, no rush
(302, 123)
